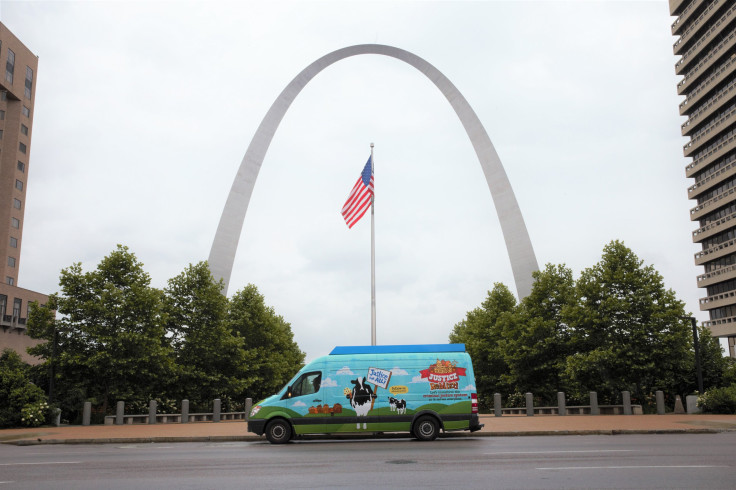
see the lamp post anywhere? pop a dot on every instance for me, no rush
(696, 344)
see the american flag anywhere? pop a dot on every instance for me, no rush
(360, 197)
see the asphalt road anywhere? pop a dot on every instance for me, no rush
(624, 461)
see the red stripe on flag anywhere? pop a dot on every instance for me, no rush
(358, 201)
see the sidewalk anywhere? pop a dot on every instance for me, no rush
(494, 427)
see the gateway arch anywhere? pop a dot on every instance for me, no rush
(518, 244)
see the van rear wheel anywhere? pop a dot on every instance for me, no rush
(278, 431)
(426, 428)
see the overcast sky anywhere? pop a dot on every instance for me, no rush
(144, 111)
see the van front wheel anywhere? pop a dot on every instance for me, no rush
(426, 429)
(278, 431)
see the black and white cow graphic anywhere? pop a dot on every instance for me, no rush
(361, 398)
(401, 406)
(395, 405)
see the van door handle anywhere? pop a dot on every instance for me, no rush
(315, 401)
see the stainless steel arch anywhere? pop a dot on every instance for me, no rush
(518, 244)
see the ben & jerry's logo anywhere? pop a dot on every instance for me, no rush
(443, 375)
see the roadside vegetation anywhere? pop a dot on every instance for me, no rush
(111, 336)
(616, 328)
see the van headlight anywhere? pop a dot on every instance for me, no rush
(255, 410)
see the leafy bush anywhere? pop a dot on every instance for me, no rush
(163, 405)
(35, 414)
(719, 400)
(16, 389)
(516, 400)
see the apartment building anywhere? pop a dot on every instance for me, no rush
(17, 95)
(706, 46)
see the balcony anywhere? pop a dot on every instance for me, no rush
(705, 87)
(722, 97)
(715, 178)
(12, 321)
(715, 252)
(706, 207)
(683, 17)
(718, 301)
(692, 53)
(722, 327)
(714, 56)
(697, 25)
(714, 277)
(710, 131)
(675, 6)
(718, 151)
(715, 227)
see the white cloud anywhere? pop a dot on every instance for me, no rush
(399, 372)
(345, 371)
(419, 379)
(299, 404)
(329, 383)
(469, 388)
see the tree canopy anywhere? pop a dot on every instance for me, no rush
(616, 328)
(108, 332)
(115, 337)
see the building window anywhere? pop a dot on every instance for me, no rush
(13, 242)
(3, 95)
(26, 111)
(21, 166)
(24, 129)
(10, 66)
(17, 303)
(9, 281)
(22, 147)
(16, 203)
(11, 261)
(18, 185)
(3, 305)
(29, 82)
(2, 115)
(1, 134)
(15, 222)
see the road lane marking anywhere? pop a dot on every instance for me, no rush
(631, 467)
(571, 451)
(48, 462)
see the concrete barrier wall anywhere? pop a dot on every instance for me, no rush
(174, 418)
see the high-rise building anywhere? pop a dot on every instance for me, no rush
(706, 46)
(17, 95)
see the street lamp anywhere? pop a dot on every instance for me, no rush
(696, 344)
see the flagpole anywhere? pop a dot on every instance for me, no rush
(373, 260)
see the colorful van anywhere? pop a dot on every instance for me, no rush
(420, 389)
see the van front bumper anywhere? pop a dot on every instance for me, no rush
(257, 426)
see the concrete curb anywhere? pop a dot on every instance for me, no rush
(402, 435)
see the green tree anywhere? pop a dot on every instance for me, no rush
(537, 335)
(107, 336)
(713, 363)
(273, 355)
(16, 389)
(209, 356)
(628, 330)
(482, 334)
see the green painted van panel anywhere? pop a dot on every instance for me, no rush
(438, 382)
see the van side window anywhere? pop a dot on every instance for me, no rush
(307, 384)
